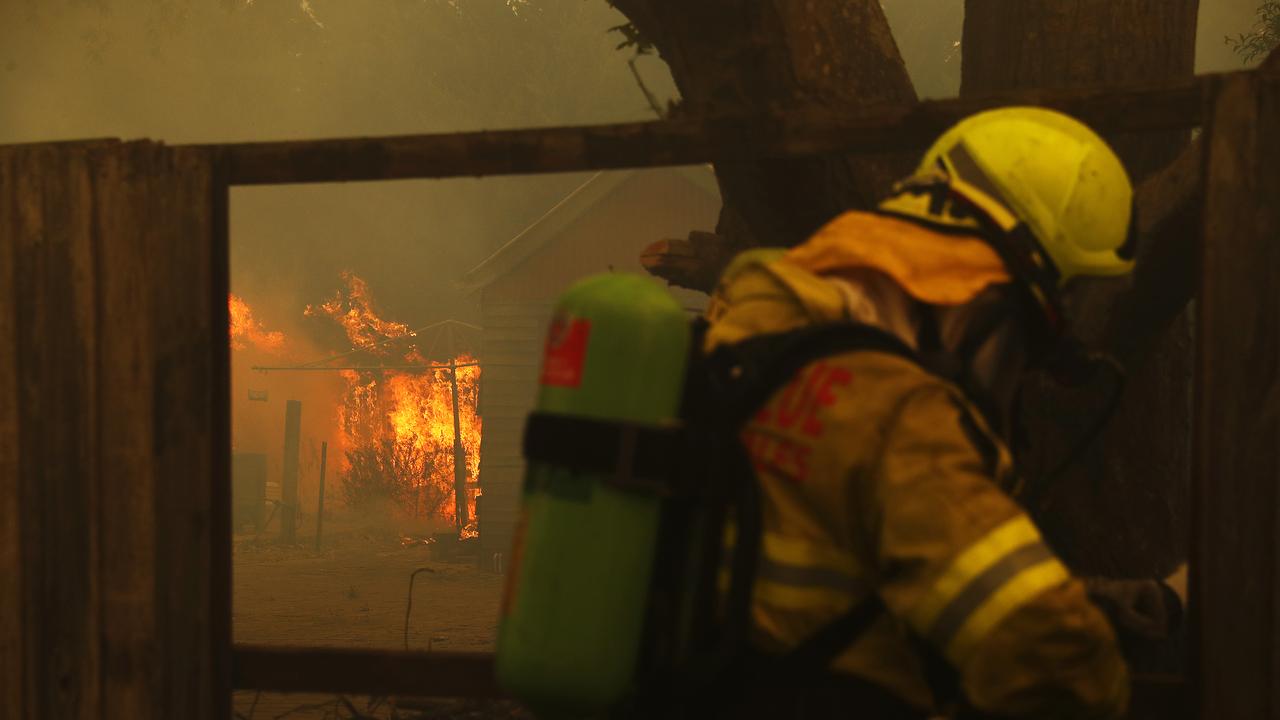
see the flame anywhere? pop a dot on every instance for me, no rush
(397, 426)
(247, 331)
(407, 416)
(420, 410)
(352, 307)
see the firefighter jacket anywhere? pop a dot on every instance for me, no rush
(877, 477)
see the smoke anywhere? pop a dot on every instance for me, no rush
(258, 401)
(199, 71)
(236, 70)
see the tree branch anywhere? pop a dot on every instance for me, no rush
(766, 58)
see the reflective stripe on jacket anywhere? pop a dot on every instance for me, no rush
(878, 477)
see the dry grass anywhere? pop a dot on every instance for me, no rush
(353, 594)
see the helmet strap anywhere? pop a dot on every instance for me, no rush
(1009, 236)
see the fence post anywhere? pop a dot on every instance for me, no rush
(459, 455)
(289, 484)
(1236, 541)
(324, 453)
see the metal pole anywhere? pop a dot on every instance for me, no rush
(289, 484)
(324, 453)
(459, 456)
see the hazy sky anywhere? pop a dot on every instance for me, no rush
(224, 70)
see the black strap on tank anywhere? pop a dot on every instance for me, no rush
(816, 652)
(742, 377)
(745, 375)
(631, 455)
(727, 388)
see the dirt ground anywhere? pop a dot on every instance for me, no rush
(353, 593)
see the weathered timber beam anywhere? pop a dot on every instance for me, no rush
(1167, 270)
(1235, 561)
(470, 675)
(685, 141)
(369, 368)
(372, 672)
(113, 379)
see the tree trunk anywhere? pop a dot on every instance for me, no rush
(1123, 508)
(767, 57)
(1019, 44)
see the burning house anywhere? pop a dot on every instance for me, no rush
(409, 426)
(383, 393)
(398, 408)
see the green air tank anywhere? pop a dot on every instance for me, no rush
(580, 568)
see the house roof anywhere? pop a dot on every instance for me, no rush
(556, 219)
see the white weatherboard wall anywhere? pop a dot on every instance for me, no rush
(513, 336)
(602, 226)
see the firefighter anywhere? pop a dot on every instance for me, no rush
(885, 476)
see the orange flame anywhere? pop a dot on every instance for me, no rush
(352, 307)
(421, 414)
(247, 331)
(413, 412)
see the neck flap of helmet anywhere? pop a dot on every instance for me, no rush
(958, 196)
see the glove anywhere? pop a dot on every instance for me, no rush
(1150, 609)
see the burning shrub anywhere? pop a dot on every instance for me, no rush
(393, 471)
(412, 412)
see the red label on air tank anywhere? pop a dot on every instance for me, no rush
(566, 351)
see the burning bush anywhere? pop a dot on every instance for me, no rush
(405, 418)
(393, 470)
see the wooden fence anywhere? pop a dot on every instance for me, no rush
(114, 393)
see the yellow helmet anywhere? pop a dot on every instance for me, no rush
(1057, 194)
(1051, 172)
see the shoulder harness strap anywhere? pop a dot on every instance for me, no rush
(740, 379)
(746, 374)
